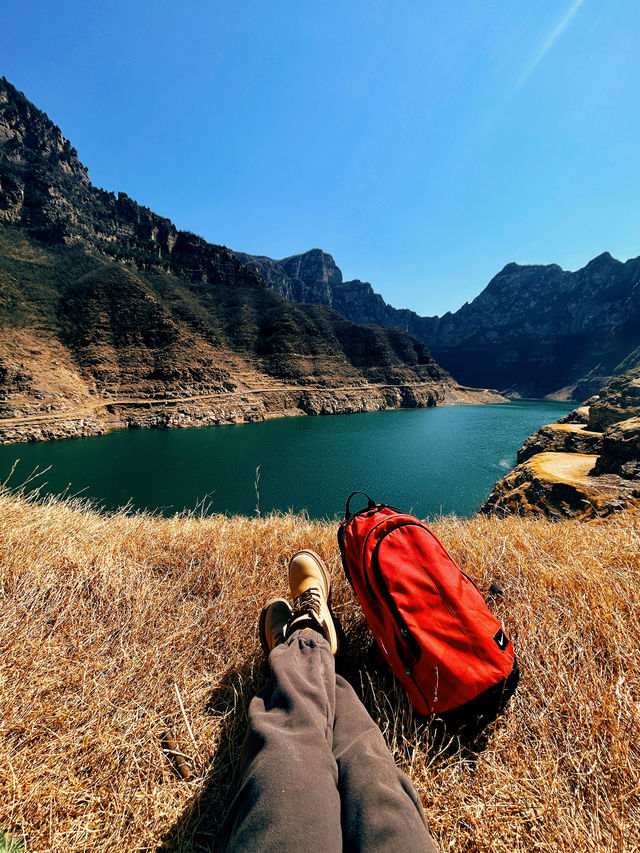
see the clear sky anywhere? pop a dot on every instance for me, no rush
(423, 144)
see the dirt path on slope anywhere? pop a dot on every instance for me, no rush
(88, 408)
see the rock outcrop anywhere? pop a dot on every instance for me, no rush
(560, 485)
(621, 450)
(569, 469)
(619, 400)
(561, 438)
(534, 331)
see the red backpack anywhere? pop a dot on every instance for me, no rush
(428, 618)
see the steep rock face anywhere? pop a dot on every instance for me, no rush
(45, 192)
(538, 330)
(300, 278)
(619, 400)
(621, 450)
(313, 276)
(533, 331)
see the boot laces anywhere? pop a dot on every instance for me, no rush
(309, 601)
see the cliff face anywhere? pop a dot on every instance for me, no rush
(46, 193)
(539, 329)
(107, 307)
(314, 276)
(533, 331)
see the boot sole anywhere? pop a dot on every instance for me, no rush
(317, 559)
(262, 630)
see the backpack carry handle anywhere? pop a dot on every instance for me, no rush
(370, 505)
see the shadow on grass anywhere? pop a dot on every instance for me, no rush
(200, 827)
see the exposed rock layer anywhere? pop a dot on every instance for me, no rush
(559, 485)
(621, 450)
(229, 408)
(561, 438)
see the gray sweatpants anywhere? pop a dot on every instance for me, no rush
(318, 776)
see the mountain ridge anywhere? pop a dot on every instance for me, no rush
(534, 330)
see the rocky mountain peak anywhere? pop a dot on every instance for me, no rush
(28, 135)
(534, 330)
(308, 277)
(603, 260)
(313, 267)
(45, 192)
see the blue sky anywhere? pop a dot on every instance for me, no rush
(423, 144)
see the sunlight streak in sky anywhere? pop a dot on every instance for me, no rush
(548, 44)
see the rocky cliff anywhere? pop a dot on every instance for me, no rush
(314, 276)
(533, 331)
(110, 315)
(585, 466)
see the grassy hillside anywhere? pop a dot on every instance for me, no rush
(109, 624)
(119, 330)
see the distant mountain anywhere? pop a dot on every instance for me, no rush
(314, 277)
(101, 298)
(533, 331)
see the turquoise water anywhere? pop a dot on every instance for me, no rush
(429, 461)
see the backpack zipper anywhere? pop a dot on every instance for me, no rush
(364, 554)
(410, 644)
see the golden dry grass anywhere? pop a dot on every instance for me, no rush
(109, 623)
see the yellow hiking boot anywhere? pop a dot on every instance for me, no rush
(310, 584)
(273, 621)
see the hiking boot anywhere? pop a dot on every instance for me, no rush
(273, 621)
(310, 584)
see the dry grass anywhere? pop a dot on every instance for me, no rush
(108, 623)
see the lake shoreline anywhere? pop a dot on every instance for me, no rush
(97, 418)
(433, 460)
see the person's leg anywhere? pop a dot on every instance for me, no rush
(381, 810)
(288, 799)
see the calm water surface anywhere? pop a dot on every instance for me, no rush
(430, 461)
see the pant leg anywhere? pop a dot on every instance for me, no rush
(381, 809)
(288, 801)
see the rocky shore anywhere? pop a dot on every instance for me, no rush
(248, 406)
(586, 466)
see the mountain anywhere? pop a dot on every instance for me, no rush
(534, 331)
(110, 315)
(314, 277)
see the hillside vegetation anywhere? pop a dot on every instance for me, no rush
(126, 635)
(121, 330)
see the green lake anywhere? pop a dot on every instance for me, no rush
(429, 461)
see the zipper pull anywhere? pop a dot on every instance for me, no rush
(404, 633)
